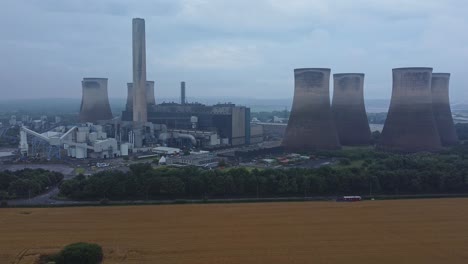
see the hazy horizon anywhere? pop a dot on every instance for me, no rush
(226, 48)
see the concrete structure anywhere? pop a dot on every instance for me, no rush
(273, 131)
(208, 160)
(311, 125)
(441, 108)
(129, 104)
(349, 111)
(256, 133)
(95, 101)
(150, 100)
(139, 72)
(78, 141)
(182, 93)
(410, 124)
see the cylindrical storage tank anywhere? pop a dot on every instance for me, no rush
(311, 125)
(441, 108)
(139, 71)
(81, 153)
(72, 152)
(349, 111)
(95, 102)
(150, 93)
(93, 136)
(410, 124)
(124, 149)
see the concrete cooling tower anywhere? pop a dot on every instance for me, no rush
(441, 108)
(149, 94)
(95, 102)
(311, 125)
(410, 124)
(129, 105)
(349, 111)
(140, 114)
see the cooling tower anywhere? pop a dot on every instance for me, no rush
(139, 71)
(311, 125)
(95, 102)
(182, 93)
(349, 111)
(149, 94)
(129, 105)
(410, 124)
(441, 108)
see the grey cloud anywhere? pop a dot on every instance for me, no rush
(226, 48)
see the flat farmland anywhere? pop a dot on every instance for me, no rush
(404, 231)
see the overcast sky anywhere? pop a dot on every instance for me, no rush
(241, 48)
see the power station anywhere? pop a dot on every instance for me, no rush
(419, 117)
(441, 108)
(349, 111)
(95, 101)
(410, 124)
(311, 125)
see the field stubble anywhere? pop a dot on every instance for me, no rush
(404, 231)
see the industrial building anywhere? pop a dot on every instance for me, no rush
(229, 122)
(349, 111)
(206, 160)
(95, 101)
(78, 142)
(311, 126)
(441, 108)
(410, 124)
(273, 131)
(144, 125)
(256, 133)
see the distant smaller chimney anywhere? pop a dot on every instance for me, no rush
(182, 93)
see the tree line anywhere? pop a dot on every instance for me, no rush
(358, 172)
(26, 182)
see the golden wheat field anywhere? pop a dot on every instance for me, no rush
(406, 231)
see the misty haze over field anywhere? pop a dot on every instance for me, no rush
(226, 49)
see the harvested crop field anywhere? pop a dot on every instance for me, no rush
(405, 231)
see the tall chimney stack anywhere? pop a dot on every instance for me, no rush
(149, 94)
(182, 93)
(139, 71)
